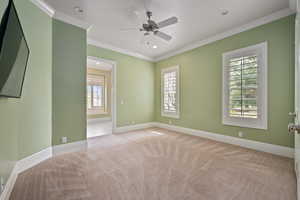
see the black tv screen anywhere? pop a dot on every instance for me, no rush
(14, 53)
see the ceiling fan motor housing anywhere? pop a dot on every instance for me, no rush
(150, 27)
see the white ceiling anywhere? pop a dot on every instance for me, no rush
(198, 20)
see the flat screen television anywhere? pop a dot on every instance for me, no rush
(14, 53)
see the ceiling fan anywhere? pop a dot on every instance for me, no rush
(152, 27)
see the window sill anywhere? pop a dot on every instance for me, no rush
(254, 124)
(174, 116)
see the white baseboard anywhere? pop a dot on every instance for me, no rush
(23, 165)
(33, 159)
(260, 146)
(99, 120)
(70, 147)
(133, 127)
(9, 184)
(36, 158)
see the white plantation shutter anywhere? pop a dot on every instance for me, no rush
(243, 74)
(245, 87)
(170, 92)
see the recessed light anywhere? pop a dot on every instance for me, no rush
(154, 47)
(97, 63)
(225, 12)
(78, 9)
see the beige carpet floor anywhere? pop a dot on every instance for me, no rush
(157, 164)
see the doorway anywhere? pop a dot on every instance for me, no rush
(100, 97)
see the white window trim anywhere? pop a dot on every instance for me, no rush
(262, 98)
(167, 114)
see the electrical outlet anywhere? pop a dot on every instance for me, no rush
(122, 102)
(170, 122)
(64, 140)
(241, 134)
(1, 184)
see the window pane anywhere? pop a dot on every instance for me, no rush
(97, 95)
(243, 74)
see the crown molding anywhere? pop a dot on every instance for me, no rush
(76, 22)
(293, 5)
(119, 50)
(50, 11)
(264, 20)
(71, 20)
(44, 7)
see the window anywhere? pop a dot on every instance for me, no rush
(95, 96)
(170, 92)
(245, 87)
(96, 92)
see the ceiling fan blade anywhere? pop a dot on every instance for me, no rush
(163, 35)
(168, 22)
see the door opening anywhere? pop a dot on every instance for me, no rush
(100, 97)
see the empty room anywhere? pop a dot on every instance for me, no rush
(149, 100)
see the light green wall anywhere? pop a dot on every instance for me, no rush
(55, 86)
(201, 83)
(35, 111)
(9, 124)
(26, 123)
(69, 82)
(135, 85)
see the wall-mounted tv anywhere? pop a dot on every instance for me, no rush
(14, 53)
